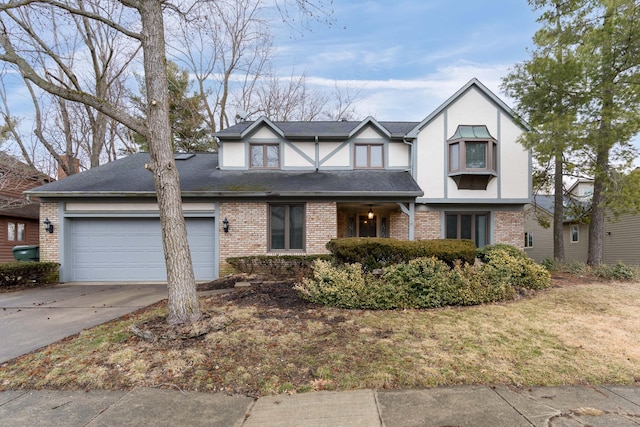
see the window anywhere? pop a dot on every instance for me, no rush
(369, 156)
(473, 157)
(16, 231)
(265, 156)
(528, 239)
(575, 233)
(472, 226)
(286, 227)
(11, 231)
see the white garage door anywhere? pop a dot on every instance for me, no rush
(130, 249)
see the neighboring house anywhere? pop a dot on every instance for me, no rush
(621, 240)
(290, 187)
(19, 224)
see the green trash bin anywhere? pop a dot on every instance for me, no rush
(26, 253)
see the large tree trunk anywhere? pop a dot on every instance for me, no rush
(183, 301)
(558, 210)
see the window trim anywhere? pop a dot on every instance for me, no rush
(12, 231)
(368, 145)
(474, 214)
(264, 154)
(16, 231)
(528, 239)
(491, 156)
(575, 231)
(287, 229)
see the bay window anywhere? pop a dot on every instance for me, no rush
(473, 157)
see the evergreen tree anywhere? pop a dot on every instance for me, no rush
(580, 91)
(188, 132)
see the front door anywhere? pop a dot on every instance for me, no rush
(367, 227)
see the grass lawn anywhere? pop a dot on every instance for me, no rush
(577, 332)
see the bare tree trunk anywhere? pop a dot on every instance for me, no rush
(183, 301)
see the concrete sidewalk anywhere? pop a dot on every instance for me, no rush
(447, 406)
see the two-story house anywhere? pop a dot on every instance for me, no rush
(290, 187)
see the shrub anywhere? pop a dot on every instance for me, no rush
(484, 251)
(337, 287)
(478, 285)
(28, 273)
(424, 282)
(421, 283)
(521, 271)
(449, 251)
(617, 271)
(373, 253)
(280, 266)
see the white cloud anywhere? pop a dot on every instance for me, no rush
(414, 99)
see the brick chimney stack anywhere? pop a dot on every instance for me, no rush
(76, 166)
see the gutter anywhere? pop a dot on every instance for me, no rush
(239, 194)
(413, 160)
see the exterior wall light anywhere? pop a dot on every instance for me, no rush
(47, 225)
(225, 225)
(370, 214)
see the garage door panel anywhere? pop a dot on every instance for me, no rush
(107, 249)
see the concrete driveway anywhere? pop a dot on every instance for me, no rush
(33, 318)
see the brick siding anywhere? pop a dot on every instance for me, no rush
(248, 232)
(509, 228)
(49, 242)
(427, 225)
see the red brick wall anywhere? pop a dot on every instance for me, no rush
(248, 232)
(509, 227)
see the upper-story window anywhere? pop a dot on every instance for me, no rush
(369, 156)
(473, 157)
(265, 156)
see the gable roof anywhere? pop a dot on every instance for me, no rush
(201, 177)
(473, 83)
(546, 202)
(341, 129)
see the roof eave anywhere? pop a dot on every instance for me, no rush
(233, 194)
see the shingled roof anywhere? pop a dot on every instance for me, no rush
(200, 177)
(341, 129)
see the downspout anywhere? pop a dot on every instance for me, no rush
(413, 162)
(412, 156)
(317, 153)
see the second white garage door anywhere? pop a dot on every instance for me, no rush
(130, 249)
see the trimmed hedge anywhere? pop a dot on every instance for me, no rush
(24, 273)
(280, 266)
(373, 253)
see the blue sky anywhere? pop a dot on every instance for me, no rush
(408, 57)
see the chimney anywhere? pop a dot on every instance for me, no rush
(76, 166)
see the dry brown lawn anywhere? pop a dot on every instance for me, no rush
(577, 332)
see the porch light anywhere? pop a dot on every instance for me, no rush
(370, 214)
(47, 225)
(225, 225)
